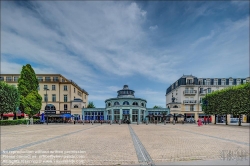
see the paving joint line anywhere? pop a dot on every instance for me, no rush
(42, 141)
(234, 141)
(141, 152)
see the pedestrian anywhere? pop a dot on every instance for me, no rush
(199, 122)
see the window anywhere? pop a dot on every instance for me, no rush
(200, 99)
(74, 90)
(201, 90)
(244, 81)
(238, 82)
(208, 90)
(125, 103)
(215, 82)
(1, 78)
(65, 107)
(135, 103)
(205, 82)
(75, 106)
(45, 87)
(187, 107)
(53, 87)
(53, 98)
(142, 104)
(15, 79)
(109, 104)
(230, 82)
(189, 81)
(55, 79)
(47, 79)
(65, 98)
(186, 90)
(223, 82)
(191, 90)
(40, 79)
(191, 107)
(208, 82)
(8, 79)
(38, 88)
(116, 103)
(45, 97)
(65, 87)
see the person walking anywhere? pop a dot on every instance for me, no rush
(199, 122)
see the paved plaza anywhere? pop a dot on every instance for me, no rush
(69, 144)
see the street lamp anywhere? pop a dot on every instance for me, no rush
(46, 103)
(206, 106)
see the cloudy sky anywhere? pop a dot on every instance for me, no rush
(147, 45)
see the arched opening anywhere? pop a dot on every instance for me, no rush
(125, 103)
(109, 104)
(142, 104)
(116, 103)
(135, 103)
(75, 106)
(50, 107)
(175, 106)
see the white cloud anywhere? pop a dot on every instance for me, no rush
(153, 27)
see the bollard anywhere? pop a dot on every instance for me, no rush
(120, 122)
(92, 122)
(137, 122)
(83, 122)
(146, 122)
(173, 122)
(110, 122)
(164, 122)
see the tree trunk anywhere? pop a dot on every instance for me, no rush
(215, 118)
(226, 120)
(239, 121)
(1, 116)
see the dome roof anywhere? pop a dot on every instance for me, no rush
(125, 92)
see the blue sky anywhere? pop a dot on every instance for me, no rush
(147, 45)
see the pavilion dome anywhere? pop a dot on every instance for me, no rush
(125, 92)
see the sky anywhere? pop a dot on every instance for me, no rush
(103, 45)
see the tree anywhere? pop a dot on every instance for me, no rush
(157, 106)
(9, 98)
(32, 103)
(91, 105)
(28, 87)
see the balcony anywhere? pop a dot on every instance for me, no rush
(190, 83)
(189, 92)
(203, 93)
(189, 101)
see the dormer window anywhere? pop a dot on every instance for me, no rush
(125, 103)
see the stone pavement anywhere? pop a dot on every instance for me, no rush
(68, 144)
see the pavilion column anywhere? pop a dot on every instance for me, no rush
(139, 116)
(144, 115)
(105, 115)
(112, 112)
(120, 114)
(130, 115)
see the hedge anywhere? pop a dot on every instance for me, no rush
(16, 122)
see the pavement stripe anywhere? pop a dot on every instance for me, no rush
(42, 141)
(141, 152)
(224, 139)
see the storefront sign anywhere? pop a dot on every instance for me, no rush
(65, 112)
(49, 112)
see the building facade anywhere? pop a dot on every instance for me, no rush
(123, 108)
(62, 97)
(189, 90)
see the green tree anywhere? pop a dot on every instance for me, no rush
(91, 105)
(28, 87)
(157, 106)
(9, 98)
(32, 103)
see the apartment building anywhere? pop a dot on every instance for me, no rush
(61, 96)
(189, 90)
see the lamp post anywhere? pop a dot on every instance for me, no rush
(206, 104)
(46, 103)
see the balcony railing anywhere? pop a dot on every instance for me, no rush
(189, 101)
(190, 83)
(189, 92)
